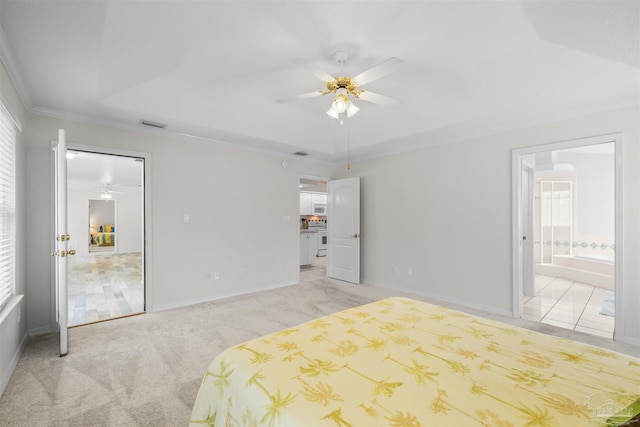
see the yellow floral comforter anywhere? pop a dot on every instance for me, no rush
(401, 362)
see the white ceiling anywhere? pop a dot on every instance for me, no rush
(215, 69)
(94, 172)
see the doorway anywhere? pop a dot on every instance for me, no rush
(313, 223)
(106, 217)
(567, 226)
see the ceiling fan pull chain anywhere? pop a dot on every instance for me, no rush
(348, 141)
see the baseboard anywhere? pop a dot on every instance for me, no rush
(195, 301)
(40, 330)
(449, 300)
(632, 341)
(14, 362)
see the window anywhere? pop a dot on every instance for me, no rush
(7, 206)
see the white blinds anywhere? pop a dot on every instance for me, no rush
(7, 206)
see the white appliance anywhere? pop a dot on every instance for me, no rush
(321, 226)
(322, 242)
(319, 209)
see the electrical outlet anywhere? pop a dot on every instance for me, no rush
(395, 269)
(216, 275)
(241, 272)
(19, 314)
(409, 271)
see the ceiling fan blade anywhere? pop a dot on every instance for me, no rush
(315, 70)
(377, 71)
(299, 97)
(377, 98)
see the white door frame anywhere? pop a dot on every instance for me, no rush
(528, 233)
(517, 226)
(147, 231)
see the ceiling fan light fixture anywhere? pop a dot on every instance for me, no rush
(351, 108)
(332, 113)
(341, 103)
(106, 196)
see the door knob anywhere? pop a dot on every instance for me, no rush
(71, 252)
(355, 235)
(61, 254)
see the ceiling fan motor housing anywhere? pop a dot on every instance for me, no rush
(343, 83)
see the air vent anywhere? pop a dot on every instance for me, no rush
(301, 153)
(153, 124)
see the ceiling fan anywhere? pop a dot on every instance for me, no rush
(345, 87)
(107, 193)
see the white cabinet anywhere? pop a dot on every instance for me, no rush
(308, 248)
(318, 199)
(308, 200)
(305, 204)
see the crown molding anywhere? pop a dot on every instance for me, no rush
(9, 62)
(167, 133)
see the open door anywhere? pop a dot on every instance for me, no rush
(61, 237)
(344, 230)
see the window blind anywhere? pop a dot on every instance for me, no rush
(7, 206)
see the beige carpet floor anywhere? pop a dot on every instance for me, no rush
(146, 370)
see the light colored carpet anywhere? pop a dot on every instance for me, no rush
(146, 370)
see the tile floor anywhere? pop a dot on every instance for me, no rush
(571, 305)
(318, 270)
(104, 286)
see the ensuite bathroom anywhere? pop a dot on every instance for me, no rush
(574, 223)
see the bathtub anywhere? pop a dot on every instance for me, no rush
(609, 258)
(597, 270)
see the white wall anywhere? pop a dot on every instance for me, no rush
(445, 212)
(129, 219)
(236, 201)
(13, 332)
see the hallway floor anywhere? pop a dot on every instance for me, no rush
(571, 305)
(318, 270)
(104, 286)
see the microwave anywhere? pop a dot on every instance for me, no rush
(319, 209)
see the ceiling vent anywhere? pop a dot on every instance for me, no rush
(301, 153)
(153, 124)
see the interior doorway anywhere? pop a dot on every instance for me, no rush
(106, 219)
(313, 224)
(568, 233)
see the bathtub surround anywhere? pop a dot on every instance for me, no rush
(581, 268)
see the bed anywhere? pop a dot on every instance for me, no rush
(106, 236)
(402, 362)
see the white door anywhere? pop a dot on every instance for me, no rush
(61, 237)
(344, 230)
